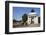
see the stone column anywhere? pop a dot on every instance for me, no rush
(36, 20)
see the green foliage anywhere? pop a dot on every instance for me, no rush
(24, 18)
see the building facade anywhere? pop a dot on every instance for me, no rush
(32, 18)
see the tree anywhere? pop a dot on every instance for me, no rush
(24, 18)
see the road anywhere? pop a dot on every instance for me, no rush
(20, 25)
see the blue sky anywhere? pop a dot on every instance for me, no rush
(19, 11)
